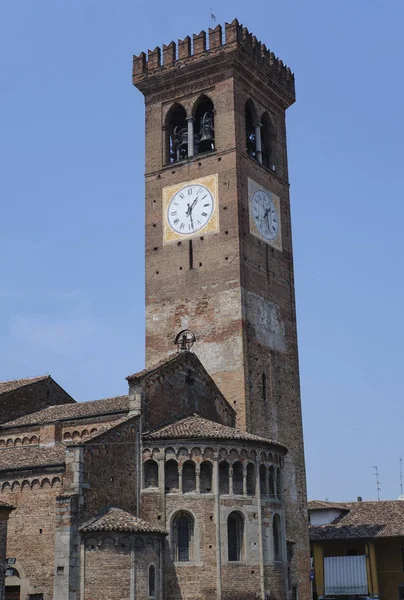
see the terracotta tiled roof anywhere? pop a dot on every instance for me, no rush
(116, 519)
(378, 519)
(15, 384)
(195, 426)
(165, 361)
(323, 505)
(31, 456)
(63, 412)
(88, 439)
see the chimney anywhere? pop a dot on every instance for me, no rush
(359, 498)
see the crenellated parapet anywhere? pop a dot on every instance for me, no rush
(203, 46)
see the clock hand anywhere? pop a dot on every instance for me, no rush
(189, 214)
(194, 202)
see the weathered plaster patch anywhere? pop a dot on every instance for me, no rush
(220, 356)
(263, 317)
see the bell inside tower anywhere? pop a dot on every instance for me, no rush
(177, 134)
(204, 126)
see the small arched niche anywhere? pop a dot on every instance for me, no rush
(188, 477)
(264, 480)
(235, 534)
(204, 127)
(251, 479)
(277, 537)
(150, 474)
(224, 477)
(152, 581)
(237, 477)
(171, 476)
(205, 477)
(176, 134)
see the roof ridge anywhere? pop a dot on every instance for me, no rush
(44, 376)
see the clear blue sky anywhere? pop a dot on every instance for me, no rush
(71, 190)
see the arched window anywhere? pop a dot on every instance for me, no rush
(279, 491)
(250, 129)
(152, 581)
(251, 479)
(264, 480)
(235, 530)
(183, 536)
(150, 474)
(277, 529)
(224, 477)
(205, 477)
(171, 476)
(271, 481)
(268, 143)
(176, 134)
(204, 130)
(237, 478)
(188, 477)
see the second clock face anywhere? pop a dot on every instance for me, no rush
(264, 214)
(190, 209)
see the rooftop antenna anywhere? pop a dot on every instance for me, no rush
(212, 19)
(401, 477)
(378, 488)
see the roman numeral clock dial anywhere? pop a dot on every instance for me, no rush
(190, 208)
(265, 217)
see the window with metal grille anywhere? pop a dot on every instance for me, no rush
(183, 535)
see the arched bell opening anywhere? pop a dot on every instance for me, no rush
(204, 127)
(250, 131)
(176, 134)
(268, 143)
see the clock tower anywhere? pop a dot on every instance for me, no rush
(219, 258)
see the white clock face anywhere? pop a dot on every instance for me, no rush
(264, 213)
(190, 209)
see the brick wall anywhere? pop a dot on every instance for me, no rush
(31, 398)
(108, 569)
(181, 388)
(117, 562)
(110, 470)
(3, 547)
(31, 529)
(239, 297)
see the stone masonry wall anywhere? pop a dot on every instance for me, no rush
(271, 332)
(31, 530)
(179, 389)
(115, 563)
(110, 470)
(3, 546)
(108, 569)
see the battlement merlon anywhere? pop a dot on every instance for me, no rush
(147, 70)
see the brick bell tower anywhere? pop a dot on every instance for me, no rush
(219, 258)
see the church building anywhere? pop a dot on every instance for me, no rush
(191, 486)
